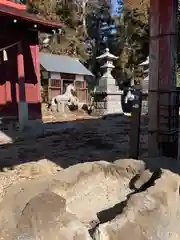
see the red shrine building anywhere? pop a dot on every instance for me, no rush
(19, 61)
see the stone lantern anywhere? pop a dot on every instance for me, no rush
(107, 85)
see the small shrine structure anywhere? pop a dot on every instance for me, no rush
(107, 88)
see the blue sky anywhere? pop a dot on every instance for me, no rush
(114, 2)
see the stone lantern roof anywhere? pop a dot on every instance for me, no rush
(108, 66)
(107, 83)
(107, 55)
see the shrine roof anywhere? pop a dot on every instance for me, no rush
(63, 64)
(22, 14)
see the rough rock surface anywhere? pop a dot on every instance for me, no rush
(26, 171)
(45, 217)
(151, 214)
(142, 179)
(120, 200)
(34, 169)
(88, 188)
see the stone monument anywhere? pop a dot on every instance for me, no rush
(107, 86)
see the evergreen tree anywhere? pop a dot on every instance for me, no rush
(72, 42)
(131, 42)
(88, 31)
(99, 22)
(83, 20)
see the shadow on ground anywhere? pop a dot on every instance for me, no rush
(74, 142)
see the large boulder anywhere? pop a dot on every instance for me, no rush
(88, 188)
(150, 214)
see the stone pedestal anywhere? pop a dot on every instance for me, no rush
(107, 84)
(113, 99)
(113, 103)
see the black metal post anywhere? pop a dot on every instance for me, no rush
(135, 124)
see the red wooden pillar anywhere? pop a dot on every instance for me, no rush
(34, 90)
(35, 57)
(38, 70)
(22, 104)
(163, 111)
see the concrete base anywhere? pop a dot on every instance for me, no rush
(107, 84)
(23, 114)
(114, 105)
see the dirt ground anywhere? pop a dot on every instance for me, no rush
(89, 140)
(67, 141)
